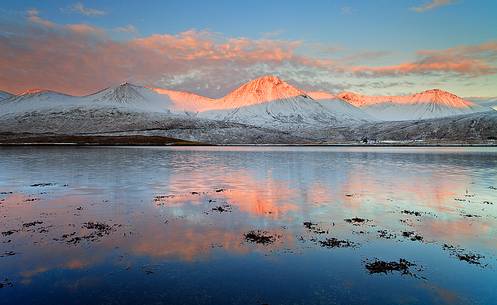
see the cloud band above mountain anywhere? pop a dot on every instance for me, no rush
(78, 58)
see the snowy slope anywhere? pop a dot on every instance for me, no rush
(5, 95)
(260, 90)
(428, 104)
(126, 97)
(270, 102)
(187, 101)
(131, 97)
(321, 95)
(37, 100)
(490, 102)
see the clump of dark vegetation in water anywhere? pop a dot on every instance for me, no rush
(222, 208)
(8, 253)
(470, 215)
(356, 221)
(462, 255)
(9, 232)
(336, 243)
(407, 222)
(97, 231)
(6, 193)
(313, 227)
(415, 213)
(219, 190)
(31, 199)
(386, 235)
(403, 266)
(6, 283)
(412, 236)
(42, 184)
(99, 226)
(493, 188)
(161, 199)
(260, 237)
(31, 224)
(488, 202)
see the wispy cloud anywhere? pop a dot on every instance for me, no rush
(345, 10)
(129, 29)
(432, 4)
(33, 15)
(86, 11)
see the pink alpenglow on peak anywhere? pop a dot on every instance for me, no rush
(434, 103)
(433, 96)
(34, 91)
(260, 90)
(187, 101)
(321, 95)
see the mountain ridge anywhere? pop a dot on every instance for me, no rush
(430, 103)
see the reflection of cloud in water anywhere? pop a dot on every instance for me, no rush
(429, 189)
(186, 241)
(256, 196)
(460, 231)
(182, 239)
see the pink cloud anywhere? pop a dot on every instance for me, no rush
(81, 58)
(472, 60)
(430, 5)
(33, 16)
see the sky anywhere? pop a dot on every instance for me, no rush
(374, 47)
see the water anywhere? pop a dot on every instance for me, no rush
(169, 225)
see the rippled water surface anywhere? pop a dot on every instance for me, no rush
(248, 225)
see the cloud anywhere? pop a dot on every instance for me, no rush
(86, 11)
(465, 60)
(130, 29)
(33, 16)
(345, 10)
(81, 58)
(433, 4)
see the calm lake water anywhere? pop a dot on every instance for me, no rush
(248, 225)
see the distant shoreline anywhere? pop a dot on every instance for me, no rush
(142, 140)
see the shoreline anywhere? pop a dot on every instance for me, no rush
(34, 144)
(158, 141)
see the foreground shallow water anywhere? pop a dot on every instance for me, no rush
(248, 225)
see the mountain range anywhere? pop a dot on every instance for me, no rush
(264, 110)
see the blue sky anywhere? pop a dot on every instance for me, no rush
(351, 34)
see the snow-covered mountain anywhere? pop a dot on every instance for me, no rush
(258, 91)
(265, 110)
(187, 101)
(5, 95)
(490, 102)
(132, 97)
(125, 97)
(428, 104)
(37, 100)
(270, 102)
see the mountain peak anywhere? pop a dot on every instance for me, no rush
(432, 96)
(34, 91)
(123, 93)
(5, 95)
(260, 90)
(441, 97)
(353, 98)
(437, 92)
(264, 82)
